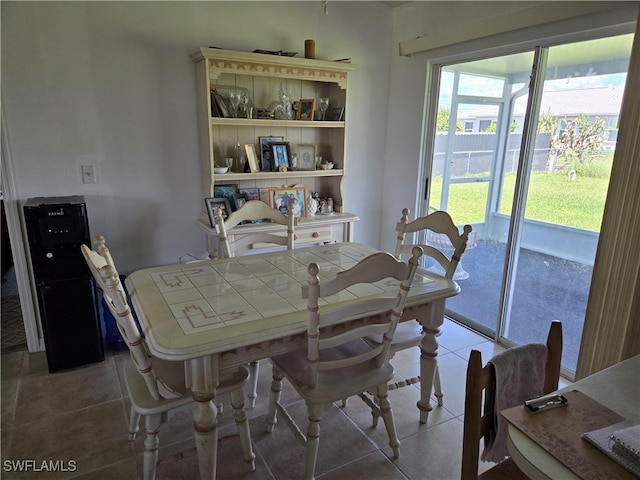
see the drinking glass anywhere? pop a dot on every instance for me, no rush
(234, 100)
(323, 104)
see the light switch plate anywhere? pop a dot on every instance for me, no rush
(88, 173)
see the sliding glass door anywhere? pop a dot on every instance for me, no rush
(522, 149)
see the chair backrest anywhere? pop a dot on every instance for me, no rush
(106, 276)
(333, 326)
(480, 379)
(251, 211)
(442, 233)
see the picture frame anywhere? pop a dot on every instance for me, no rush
(239, 199)
(252, 157)
(281, 154)
(266, 155)
(213, 204)
(306, 109)
(263, 194)
(251, 193)
(226, 190)
(306, 156)
(336, 114)
(289, 201)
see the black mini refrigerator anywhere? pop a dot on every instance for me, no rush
(56, 227)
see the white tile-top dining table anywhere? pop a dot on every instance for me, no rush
(218, 314)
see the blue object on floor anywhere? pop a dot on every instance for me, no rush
(114, 339)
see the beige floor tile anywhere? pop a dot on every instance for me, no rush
(373, 466)
(406, 363)
(405, 414)
(454, 336)
(433, 453)
(453, 374)
(91, 437)
(123, 470)
(341, 442)
(54, 394)
(11, 365)
(34, 363)
(487, 348)
(9, 394)
(180, 461)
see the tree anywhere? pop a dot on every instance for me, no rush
(442, 121)
(572, 138)
(582, 135)
(547, 123)
(493, 128)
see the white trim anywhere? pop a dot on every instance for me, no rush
(523, 27)
(427, 141)
(26, 289)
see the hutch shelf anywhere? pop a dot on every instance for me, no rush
(265, 77)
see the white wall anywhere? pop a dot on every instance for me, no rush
(112, 84)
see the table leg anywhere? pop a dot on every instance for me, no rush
(431, 317)
(202, 377)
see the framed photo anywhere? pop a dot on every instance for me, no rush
(263, 194)
(225, 191)
(252, 157)
(266, 158)
(239, 199)
(290, 201)
(337, 114)
(306, 157)
(281, 155)
(306, 109)
(251, 193)
(215, 204)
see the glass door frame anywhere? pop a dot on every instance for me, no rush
(435, 68)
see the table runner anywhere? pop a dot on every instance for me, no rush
(558, 432)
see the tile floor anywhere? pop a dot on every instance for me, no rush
(79, 418)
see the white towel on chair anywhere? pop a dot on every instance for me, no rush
(519, 377)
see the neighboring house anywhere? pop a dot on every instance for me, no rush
(600, 102)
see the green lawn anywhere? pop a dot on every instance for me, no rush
(552, 198)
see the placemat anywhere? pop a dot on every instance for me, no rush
(558, 432)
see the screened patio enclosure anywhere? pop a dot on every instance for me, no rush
(522, 150)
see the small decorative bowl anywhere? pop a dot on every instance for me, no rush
(220, 169)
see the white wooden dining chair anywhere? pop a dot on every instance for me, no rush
(156, 386)
(251, 211)
(409, 334)
(337, 362)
